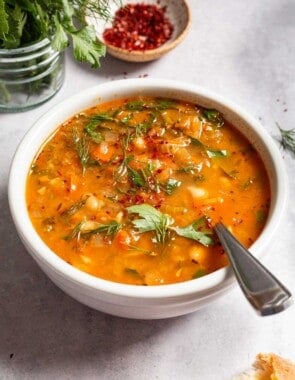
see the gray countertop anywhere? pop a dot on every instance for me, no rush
(245, 51)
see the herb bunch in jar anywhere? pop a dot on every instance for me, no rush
(33, 36)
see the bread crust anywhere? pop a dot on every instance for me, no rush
(276, 367)
(269, 367)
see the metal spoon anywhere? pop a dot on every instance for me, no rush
(262, 289)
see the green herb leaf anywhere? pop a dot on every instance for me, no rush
(151, 220)
(170, 186)
(74, 233)
(164, 104)
(192, 231)
(108, 229)
(4, 28)
(211, 153)
(132, 272)
(135, 105)
(190, 169)
(94, 123)
(16, 20)
(200, 273)
(230, 173)
(287, 139)
(74, 208)
(82, 148)
(136, 177)
(213, 116)
(60, 40)
(86, 46)
(158, 105)
(142, 128)
(260, 216)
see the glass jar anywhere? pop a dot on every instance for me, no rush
(29, 75)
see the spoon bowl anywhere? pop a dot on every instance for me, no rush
(262, 289)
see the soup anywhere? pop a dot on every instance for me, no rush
(129, 190)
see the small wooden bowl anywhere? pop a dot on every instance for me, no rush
(177, 11)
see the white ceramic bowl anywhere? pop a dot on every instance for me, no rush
(134, 301)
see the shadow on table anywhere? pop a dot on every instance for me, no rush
(112, 68)
(41, 326)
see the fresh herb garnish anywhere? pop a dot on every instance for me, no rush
(135, 105)
(151, 220)
(190, 169)
(260, 216)
(170, 186)
(82, 147)
(141, 178)
(142, 250)
(82, 230)
(158, 105)
(133, 272)
(230, 173)
(213, 116)
(154, 220)
(192, 231)
(287, 139)
(142, 128)
(74, 208)
(211, 153)
(136, 177)
(200, 273)
(94, 124)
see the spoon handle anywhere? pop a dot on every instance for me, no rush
(264, 291)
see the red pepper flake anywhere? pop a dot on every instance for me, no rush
(139, 27)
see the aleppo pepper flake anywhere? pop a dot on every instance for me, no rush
(139, 27)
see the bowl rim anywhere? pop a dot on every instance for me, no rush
(214, 282)
(165, 48)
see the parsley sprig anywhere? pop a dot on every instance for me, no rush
(152, 219)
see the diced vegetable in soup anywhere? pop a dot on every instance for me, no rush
(130, 190)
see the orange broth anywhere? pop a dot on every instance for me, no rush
(130, 189)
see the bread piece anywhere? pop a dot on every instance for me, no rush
(269, 367)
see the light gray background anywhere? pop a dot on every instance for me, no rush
(244, 50)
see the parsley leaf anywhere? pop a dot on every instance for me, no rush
(192, 231)
(60, 40)
(151, 220)
(4, 28)
(86, 46)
